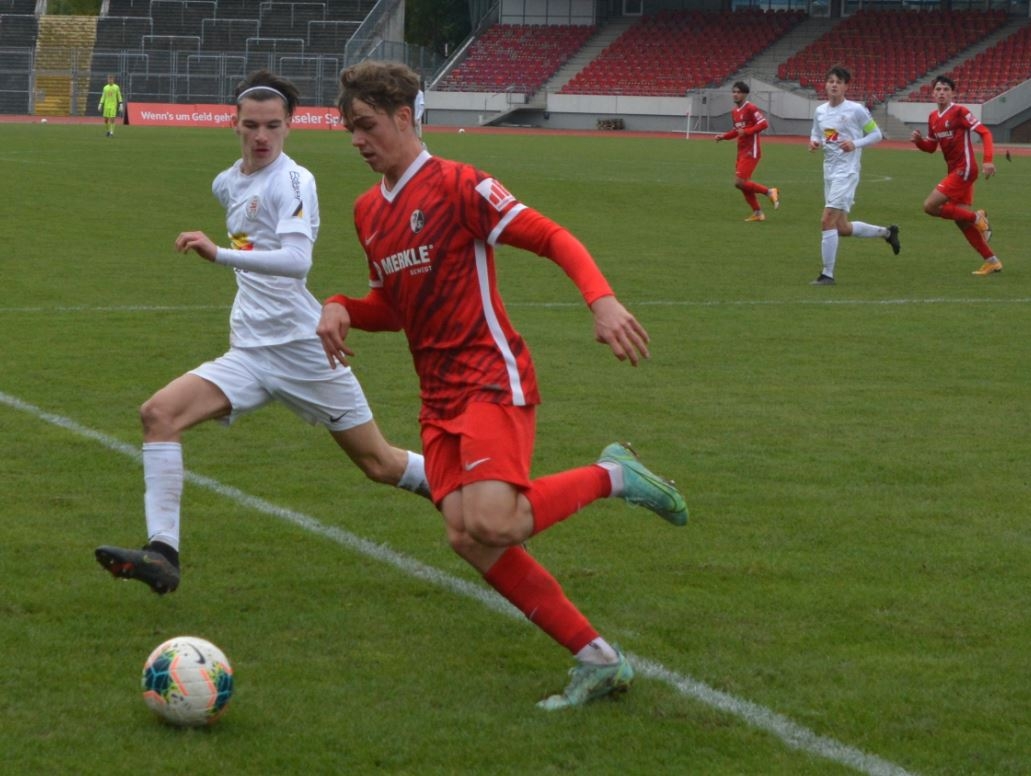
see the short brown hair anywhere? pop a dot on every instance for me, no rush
(386, 86)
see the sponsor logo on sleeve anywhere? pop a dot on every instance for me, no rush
(496, 194)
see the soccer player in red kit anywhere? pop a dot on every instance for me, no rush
(428, 231)
(950, 127)
(749, 121)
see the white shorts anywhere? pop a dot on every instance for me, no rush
(839, 192)
(297, 374)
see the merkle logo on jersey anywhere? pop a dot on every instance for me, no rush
(417, 260)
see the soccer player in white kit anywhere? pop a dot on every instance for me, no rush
(842, 128)
(272, 216)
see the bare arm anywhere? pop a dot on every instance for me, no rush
(616, 327)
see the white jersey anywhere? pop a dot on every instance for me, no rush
(834, 123)
(420, 106)
(277, 200)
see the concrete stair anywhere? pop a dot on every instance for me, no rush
(64, 45)
(591, 49)
(597, 43)
(764, 66)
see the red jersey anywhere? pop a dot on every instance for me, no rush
(950, 129)
(429, 243)
(749, 121)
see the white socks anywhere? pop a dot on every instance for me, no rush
(829, 250)
(829, 242)
(860, 229)
(599, 652)
(615, 477)
(414, 478)
(163, 478)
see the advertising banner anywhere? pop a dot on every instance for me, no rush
(160, 114)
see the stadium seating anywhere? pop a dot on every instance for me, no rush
(887, 50)
(672, 52)
(146, 87)
(185, 50)
(128, 7)
(15, 79)
(26, 7)
(227, 35)
(118, 33)
(266, 52)
(289, 20)
(330, 36)
(18, 30)
(516, 57)
(986, 75)
(237, 9)
(181, 17)
(209, 78)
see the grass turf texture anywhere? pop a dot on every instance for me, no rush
(855, 461)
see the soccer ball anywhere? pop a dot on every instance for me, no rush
(42, 121)
(187, 681)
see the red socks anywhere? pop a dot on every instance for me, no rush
(961, 215)
(532, 590)
(976, 239)
(557, 496)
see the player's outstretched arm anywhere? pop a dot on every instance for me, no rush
(616, 327)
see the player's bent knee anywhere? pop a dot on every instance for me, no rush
(160, 420)
(462, 543)
(153, 416)
(495, 533)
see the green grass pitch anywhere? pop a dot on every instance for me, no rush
(850, 594)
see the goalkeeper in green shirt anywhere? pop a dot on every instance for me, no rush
(110, 105)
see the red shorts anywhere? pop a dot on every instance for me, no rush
(486, 442)
(745, 167)
(959, 191)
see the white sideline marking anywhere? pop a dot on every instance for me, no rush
(794, 735)
(558, 305)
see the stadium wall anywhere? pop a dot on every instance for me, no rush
(708, 110)
(547, 12)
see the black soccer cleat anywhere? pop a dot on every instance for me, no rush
(147, 565)
(893, 239)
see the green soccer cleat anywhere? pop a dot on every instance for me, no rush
(641, 487)
(590, 681)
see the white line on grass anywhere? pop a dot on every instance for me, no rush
(794, 735)
(558, 305)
